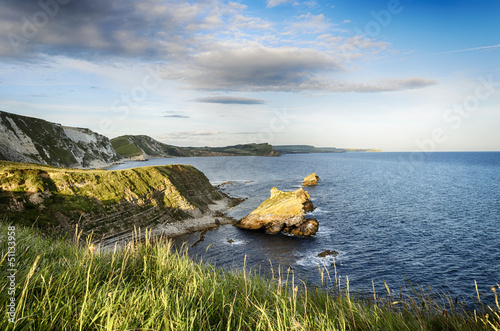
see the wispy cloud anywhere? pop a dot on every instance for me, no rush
(480, 48)
(231, 100)
(274, 3)
(189, 134)
(309, 23)
(176, 116)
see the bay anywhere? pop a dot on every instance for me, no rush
(432, 219)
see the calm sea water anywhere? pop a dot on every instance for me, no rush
(431, 219)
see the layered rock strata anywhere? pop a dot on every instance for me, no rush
(283, 212)
(107, 203)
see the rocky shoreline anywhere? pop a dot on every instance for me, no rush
(110, 206)
(207, 221)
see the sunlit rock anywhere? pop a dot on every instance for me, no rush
(283, 212)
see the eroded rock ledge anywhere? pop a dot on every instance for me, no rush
(108, 203)
(283, 212)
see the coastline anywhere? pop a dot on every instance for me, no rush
(215, 217)
(208, 220)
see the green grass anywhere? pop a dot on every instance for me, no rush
(129, 146)
(148, 286)
(124, 147)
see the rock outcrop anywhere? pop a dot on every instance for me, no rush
(328, 253)
(104, 202)
(282, 212)
(311, 180)
(28, 139)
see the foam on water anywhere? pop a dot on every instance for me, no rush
(318, 211)
(311, 259)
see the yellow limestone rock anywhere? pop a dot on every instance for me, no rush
(311, 180)
(283, 212)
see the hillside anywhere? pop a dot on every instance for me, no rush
(143, 147)
(296, 149)
(147, 285)
(235, 150)
(29, 139)
(106, 202)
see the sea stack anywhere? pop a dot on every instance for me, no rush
(311, 180)
(283, 212)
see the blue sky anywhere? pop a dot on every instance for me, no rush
(396, 75)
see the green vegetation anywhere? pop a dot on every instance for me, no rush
(296, 149)
(239, 150)
(59, 198)
(45, 136)
(148, 286)
(130, 146)
(37, 140)
(124, 148)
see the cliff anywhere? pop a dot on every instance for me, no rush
(106, 202)
(143, 147)
(28, 139)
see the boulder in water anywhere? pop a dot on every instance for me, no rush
(311, 180)
(282, 212)
(328, 253)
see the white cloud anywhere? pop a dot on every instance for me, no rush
(204, 45)
(309, 23)
(274, 3)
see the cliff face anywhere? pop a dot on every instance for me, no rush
(28, 139)
(143, 147)
(105, 202)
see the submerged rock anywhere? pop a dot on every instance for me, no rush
(328, 253)
(282, 212)
(311, 180)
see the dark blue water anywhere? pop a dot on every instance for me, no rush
(432, 219)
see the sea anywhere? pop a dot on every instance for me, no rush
(431, 220)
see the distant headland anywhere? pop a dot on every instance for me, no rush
(34, 140)
(298, 149)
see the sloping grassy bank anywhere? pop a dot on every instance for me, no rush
(147, 286)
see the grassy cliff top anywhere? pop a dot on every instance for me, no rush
(102, 184)
(61, 197)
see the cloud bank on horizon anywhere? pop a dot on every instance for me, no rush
(126, 61)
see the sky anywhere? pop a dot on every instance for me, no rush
(397, 75)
